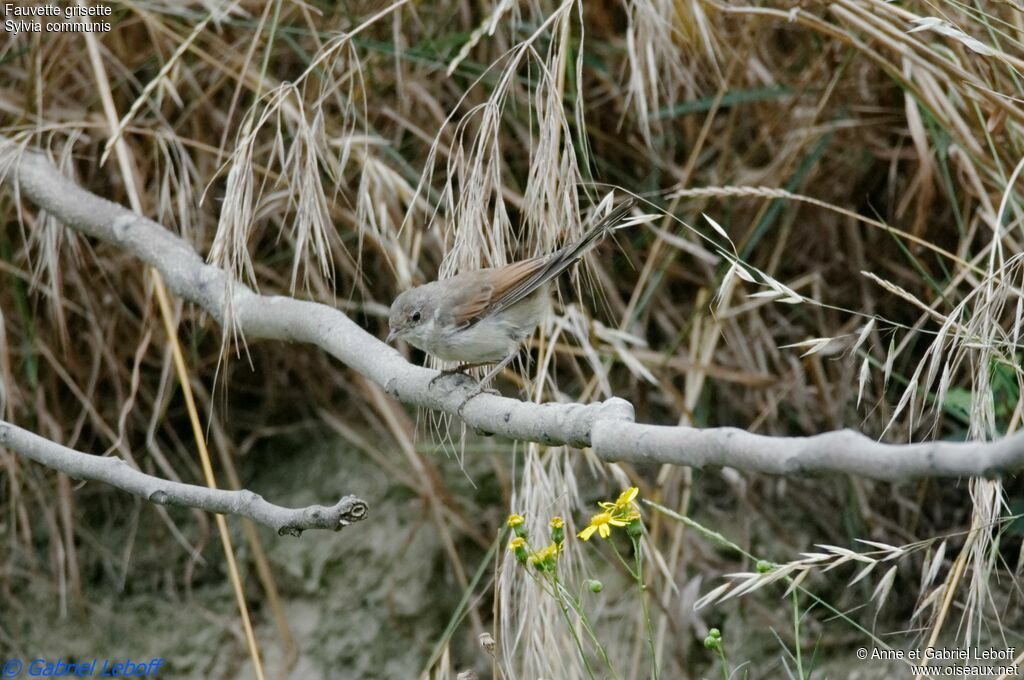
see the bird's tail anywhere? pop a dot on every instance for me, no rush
(574, 251)
(562, 259)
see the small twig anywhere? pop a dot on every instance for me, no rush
(117, 473)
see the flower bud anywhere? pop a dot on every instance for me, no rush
(545, 559)
(517, 524)
(557, 530)
(593, 585)
(518, 546)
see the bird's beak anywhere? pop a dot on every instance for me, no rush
(391, 336)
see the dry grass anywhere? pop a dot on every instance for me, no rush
(840, 246)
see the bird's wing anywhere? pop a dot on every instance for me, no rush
(489, 286)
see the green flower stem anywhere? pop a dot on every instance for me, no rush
(625, 564)
(637, 576)
(643, 604)
(562, 607)
(725, 542)
(725, 663)
(577, 607)
(554, 593)
(796, 633)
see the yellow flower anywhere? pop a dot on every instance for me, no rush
(616, 514)
(516, 523)
(602, 523)
(628, 516)
(557, 530)
(623, 502)
(548, 552)
(546, 557)
(518, 546)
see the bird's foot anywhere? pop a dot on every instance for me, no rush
(461, 369)
(476, 392)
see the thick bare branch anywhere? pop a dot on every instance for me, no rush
(118, 473)
(607, 427)
(840, 451)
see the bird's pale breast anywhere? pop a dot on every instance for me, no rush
(490, 339)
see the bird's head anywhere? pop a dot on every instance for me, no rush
(408, 313)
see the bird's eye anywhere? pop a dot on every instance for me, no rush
(415, 317)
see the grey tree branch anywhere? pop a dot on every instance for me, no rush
(608, 427)
(118, 473)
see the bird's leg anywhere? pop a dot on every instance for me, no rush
(498, 368)
(482, 385)
(460, 370)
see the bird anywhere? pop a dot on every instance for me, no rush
(483, 317)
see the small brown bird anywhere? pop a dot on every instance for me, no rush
(483, 317)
